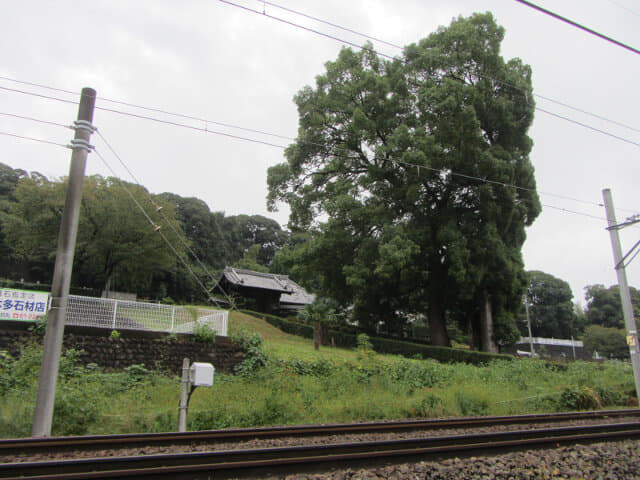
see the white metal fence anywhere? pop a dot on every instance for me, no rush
(128, 315)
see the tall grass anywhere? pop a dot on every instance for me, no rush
(288, 389)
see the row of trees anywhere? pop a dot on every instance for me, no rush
(554, 315)
(117, 247)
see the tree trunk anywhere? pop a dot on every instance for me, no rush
(107, 287)
(473, 330)
(437, 326)
(316, 335)
(324, 334)
(486, 323)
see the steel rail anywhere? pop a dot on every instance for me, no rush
(55, 444)
(236, 463)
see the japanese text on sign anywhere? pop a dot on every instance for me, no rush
(22, 304)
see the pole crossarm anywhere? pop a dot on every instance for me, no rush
(630, 221)
(621, 263)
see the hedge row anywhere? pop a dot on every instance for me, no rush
(45, 287)
(386, 345)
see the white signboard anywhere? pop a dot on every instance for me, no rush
(22, 304)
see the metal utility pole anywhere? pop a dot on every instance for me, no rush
(625, 297)
(43, 414)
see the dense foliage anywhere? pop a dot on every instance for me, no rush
(384, 174)
(117, 247)
(604, 306)
(608, 342)
(551, 309)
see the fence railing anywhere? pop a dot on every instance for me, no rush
(129, 315)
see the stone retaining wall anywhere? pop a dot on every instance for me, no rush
(155, 350)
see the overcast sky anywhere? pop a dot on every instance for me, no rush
(215, 61)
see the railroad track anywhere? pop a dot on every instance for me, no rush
(277, 461)
(59, 444)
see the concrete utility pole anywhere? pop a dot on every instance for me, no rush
(184, 396)
(625, 297)
(43, 414)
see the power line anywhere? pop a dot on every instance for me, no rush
(578, 25)
(326, 22)
(479, 74)
(23, 117)
(604, 132)
(577, 109)
(317, 32)
(156, 227)
(23, 137)
(156, 110)
(398, 162)
(191, 127)
(154, 119)
(168, 222)
(494, 182)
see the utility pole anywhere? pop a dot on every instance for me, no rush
(625, 297)
(526, 308)
(43, 414)
(185, 385)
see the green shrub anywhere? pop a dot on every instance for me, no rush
(254, 355)
(136, 373)
(114, 335)
(470, 404)
(203, 333)
(583, 398)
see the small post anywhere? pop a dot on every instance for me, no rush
(115, 312)
(173, 318)
(623, 286)
(184, 396)
(43, 414)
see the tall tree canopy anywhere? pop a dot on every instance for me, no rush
(114, 238)
(551, 309)
(604, 307)
(384, 174)
(116, 244)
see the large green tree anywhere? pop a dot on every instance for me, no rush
(115, 242)
(551, 308)
(384, 174)
(604, 307)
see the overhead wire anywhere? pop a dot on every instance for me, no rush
(154, 119)
(361, 47)
(331, 24)
(33, 119)
(154, 109)
(317, 32)
(168, 222)
(33, 139)
(176, 124)
(578, 25)
(157, 229)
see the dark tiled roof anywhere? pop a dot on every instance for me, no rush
(247, 278)
(299, 296)
(292, 293)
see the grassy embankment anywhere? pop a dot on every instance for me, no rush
(288, 382)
